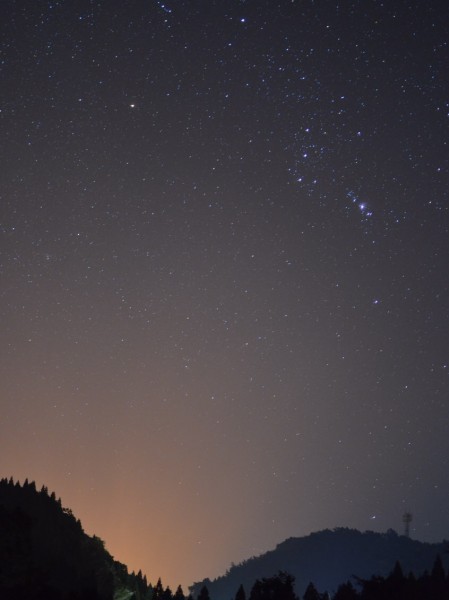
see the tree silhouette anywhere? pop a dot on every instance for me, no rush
(179, 594)
(279, 587)
(204, 593)
(240, 595)
(346, 591)
(158, 591)
(311, 593)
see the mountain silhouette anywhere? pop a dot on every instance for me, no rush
(45, 554)
(328, 558)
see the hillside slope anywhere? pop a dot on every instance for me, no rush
(328, 558)
(44, 552)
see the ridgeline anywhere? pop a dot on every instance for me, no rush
(46, 555)
(328, 558)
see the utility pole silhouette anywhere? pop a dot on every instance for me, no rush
(407, 519)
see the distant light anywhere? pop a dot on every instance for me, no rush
(132, 106)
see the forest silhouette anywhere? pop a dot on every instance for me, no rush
(46, 555)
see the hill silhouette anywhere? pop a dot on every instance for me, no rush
(45, 554)
(328, 558)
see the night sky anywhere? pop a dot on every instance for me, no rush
(224, 270)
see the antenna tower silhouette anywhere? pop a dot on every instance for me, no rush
(407, 519)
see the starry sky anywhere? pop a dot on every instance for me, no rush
(224, 292)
